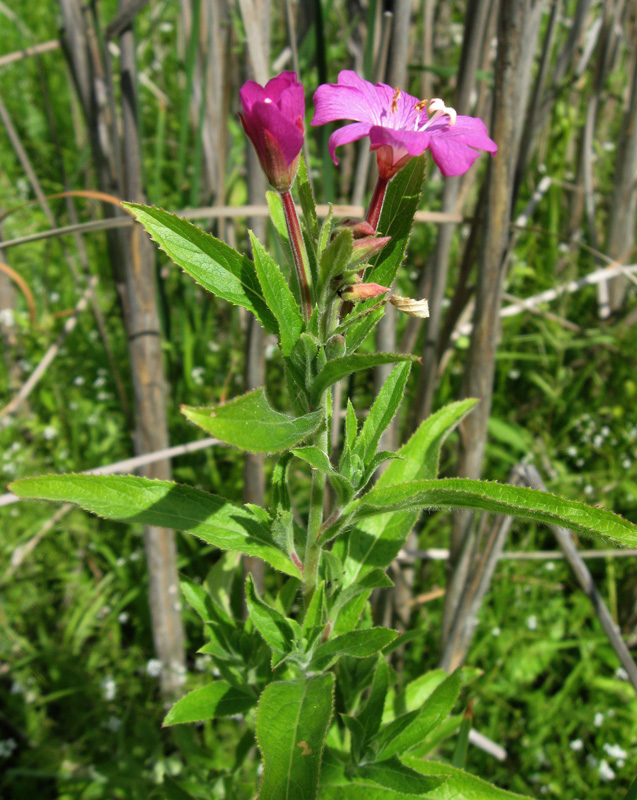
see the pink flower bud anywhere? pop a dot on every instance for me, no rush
(359, 227)
(272, 117)
(362, 291)
(367, 247)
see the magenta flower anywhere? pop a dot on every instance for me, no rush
(399, 126)
(272, 117)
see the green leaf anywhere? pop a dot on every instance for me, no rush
(375, 541)
(339, 368)
(218, 699)
(292, 722)
(326, 230)
(314, 616)
(277, 215)
(335, 259)
(306, 197)
(278, 296)
(410, 729)
(250, 423)
(357, 736)
(459, 784)
(517, 501)
(355, 644)
(127, 498)
(271, 624)
(213, 264)
(393, 774)
(173, 790)
(372, 714)
(382, 412)
(351, 425)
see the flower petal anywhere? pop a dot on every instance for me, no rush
(341, 102)
(413, 143)
(345, 135)
(452, 147)
(250, 93)
(266, 116)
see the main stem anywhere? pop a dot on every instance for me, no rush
(299, 253)
(315, 519)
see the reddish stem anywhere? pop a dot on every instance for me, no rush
(376, 203)
(301, 262)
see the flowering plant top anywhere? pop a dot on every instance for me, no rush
(399, 125)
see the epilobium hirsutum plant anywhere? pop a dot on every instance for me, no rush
(307, 669)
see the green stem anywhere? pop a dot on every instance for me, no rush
(315, 519)
(299, 253)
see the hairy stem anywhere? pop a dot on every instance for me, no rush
(299, 253)
(315, 520)
(376, 203)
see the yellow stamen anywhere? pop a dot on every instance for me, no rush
(394, 102)
(420, 106)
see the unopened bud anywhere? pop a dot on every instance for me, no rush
(367, 247)
(358, 227)
(362, 291)
(335, 346)
(414, 308)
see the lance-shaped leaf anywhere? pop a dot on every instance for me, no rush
(459, 783)
(410, 729)
(393, 774)
(335, 259)
(356, 644)
(127, 498)
(218, 699)
(292, 722)
(250, 423)
(271, 624)
(339, 368)
(212, 263)
(372, 713)
(517, 501)
(381, 413)
(317, 459)
(278, 296)
(375, 541)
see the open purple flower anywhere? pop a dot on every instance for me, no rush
(272, 117)
(399, 126)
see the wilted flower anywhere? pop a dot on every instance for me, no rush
(399, 125)
(272, 117)
(413, 308)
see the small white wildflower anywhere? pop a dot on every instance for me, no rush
(6, 318)
(571, 451)
(598, 719)
(7, 747)
(514, 374)
(103, 397)
(621, 673)
(49, 433)
(495, 631)
(177, 607)
(549, 566)
(627, 463)
(580, 462)
(608, 147)
(563, 247)
(54, 297)
(15, 447)
(135, 555)
(620, 763)
(214, 347)
(79, 380)
(201, 663)
(606, 773)
(197, 374)
(16, 688)
(615, 751)
(598, 440)
(154, 667)
(113, 724)
(605, 431)
(166, 27)
(592, 761)
(99, 382)
(576, 745)
(104, 612)
(588, 490)
(531, 622)
(123, 617)
(120, 562)
(109, 688)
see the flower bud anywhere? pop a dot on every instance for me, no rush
(358, 227)
(367, 247)
(272, 117)
(358, 292)
(335, 347)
